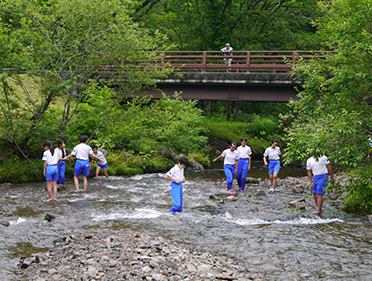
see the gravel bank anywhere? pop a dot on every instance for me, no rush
(127, 255)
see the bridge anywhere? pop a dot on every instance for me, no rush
(252, 76)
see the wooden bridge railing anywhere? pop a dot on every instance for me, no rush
(243, 61)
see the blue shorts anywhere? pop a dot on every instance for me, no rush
(51, 172)
(102, 166)
(82, 166)
(320, 183)
(274, 166)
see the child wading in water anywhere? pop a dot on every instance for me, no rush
(230, 165)
(273, 152)
(175, 175)
(50, 169)
(244, 163)
(100, 164)
(61, 152)
(82, 152)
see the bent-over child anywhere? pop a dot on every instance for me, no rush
(100, 164)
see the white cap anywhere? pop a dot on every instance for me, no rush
(227, 44)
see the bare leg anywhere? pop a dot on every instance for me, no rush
(275, 179)
(105, 172)
(76, 180)
(85, 178)
(54, 190)
(49, 185)
(271, 180)
(319, 205)
(97, 171)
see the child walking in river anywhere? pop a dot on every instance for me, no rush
(244, 163)
(273, 152)
(82, 152)
(100, 164)
(176, 176)
(61, 152)
(230, 165)
(50, 158)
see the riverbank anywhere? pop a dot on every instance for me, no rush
(128, 255)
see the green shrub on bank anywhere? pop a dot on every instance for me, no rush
(19, 170)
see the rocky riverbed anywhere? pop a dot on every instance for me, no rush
(127, 255)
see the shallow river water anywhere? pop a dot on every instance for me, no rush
(261, 233)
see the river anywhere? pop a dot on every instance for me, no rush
(260, 232)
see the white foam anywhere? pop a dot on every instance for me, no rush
(301, 221)
(138, 214)
(19, 221)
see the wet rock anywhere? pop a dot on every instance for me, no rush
(298, 190)
(195, 164)
(4, 223)
(260, 193)
(232, 198)
(252, 180)
(6, 185)
(26, 262)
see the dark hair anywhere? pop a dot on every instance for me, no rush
(233, 143)
(60, 142)
(273, 141)
(244, 139)
(49, 145)
(183, 160)
(83, 138)
(94, 146)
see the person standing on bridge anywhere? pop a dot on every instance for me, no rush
(228, 56)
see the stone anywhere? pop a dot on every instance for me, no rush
(91, 272)
(4, 223)
(232, 198)
(52, 271)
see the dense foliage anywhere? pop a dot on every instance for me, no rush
(246, 24)
(333, 115)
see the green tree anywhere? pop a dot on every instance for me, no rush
(246, 24)
(60, 44)
(332, 115)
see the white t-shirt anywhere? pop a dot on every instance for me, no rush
(318, 167)
(82, 151)
(244, 152)
(230, 157)
(100, 155)
(51, 159)
(59, 152)
(272, 153)
(176, 173)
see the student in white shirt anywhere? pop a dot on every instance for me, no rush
(100, 164)
(61, 152)
(317, 171)
(273, 153)
(230, 165)
(82, 152)
(244, 163)
(50, 158)
(175, 175)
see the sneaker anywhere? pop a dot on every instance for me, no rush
(230, 192)
(272, 189)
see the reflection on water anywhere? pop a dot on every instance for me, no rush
(262, 232)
